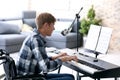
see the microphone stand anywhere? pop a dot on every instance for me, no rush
(78, 26)
(78, 17)
(66, 31)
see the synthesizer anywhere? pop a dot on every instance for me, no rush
(95, 69)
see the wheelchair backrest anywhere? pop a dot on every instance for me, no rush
(9, 66)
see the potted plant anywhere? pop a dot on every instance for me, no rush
(86, 22)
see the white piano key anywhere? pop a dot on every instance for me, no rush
(84, 67)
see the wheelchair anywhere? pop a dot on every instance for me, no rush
(10, 69)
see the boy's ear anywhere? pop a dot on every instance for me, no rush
(46, 24)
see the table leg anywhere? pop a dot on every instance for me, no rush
(116, 78)
(78, 76)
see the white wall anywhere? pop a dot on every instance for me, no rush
(12, 8)
(61, 8)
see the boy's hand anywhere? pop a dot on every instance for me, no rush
(59, 55)
(62, 54)
(68, 58)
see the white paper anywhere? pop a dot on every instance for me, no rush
(98, 40)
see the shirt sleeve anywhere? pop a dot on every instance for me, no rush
(45, 63)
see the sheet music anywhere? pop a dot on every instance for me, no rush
(103, 39)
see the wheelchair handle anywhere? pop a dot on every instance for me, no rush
(3, 52)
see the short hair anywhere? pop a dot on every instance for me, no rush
(44, 18)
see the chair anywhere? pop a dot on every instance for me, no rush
(10, 69)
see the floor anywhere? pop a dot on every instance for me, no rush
(110, 57)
